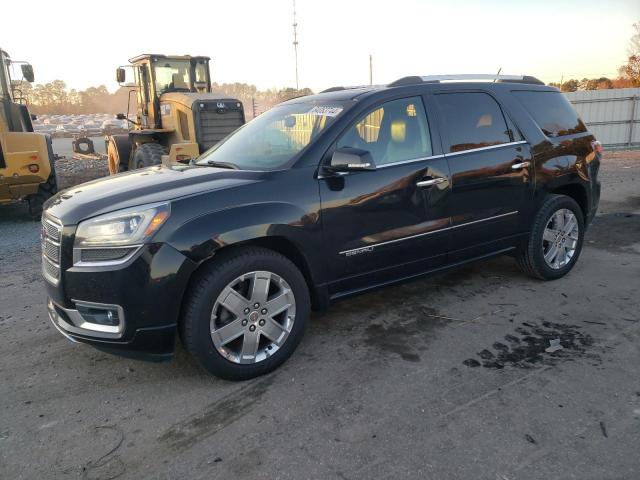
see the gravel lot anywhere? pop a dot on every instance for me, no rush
(441, 378)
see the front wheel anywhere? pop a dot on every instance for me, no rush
(246, 314)
(555, 240)
(148, 155)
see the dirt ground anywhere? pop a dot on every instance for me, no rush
(441, 378)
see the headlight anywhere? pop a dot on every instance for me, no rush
(124, 227)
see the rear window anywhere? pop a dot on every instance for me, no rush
(552, 112)
(472, 120)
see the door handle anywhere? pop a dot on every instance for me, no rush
(431, 182)
(518, 166)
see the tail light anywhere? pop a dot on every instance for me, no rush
(597, 146)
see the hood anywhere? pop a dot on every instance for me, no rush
(139, 187)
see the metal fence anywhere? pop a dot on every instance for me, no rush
(612, 115)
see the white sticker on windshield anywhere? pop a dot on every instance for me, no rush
(325, 111)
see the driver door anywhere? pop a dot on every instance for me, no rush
(386, 223)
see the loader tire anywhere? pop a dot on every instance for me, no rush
(45, 191)
(147, 155)
(83, 145)
(118, 153)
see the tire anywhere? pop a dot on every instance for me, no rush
(531, 257)
(83, 145)
(118, 153)
(202, 309)
(148, 155)
(45, 191)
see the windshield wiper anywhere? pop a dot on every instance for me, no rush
(213, 163)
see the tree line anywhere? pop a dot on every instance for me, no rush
(56, 98)
(628, 74)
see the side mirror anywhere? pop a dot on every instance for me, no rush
(121, 75)
(121, 116)
(348, 159)
(27, 72)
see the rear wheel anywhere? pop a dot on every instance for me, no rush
(45, 191)
(148, 155)
(555, 241)
(246, 314)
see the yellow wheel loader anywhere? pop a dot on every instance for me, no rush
(26, 158)
(177, 115)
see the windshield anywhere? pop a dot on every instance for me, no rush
(270, 140)
(201, 72)
(172, 75)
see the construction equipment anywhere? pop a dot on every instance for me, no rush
(26, 158)
(177, 116)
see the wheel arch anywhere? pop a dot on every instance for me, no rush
(205, 236)
(577, 192)
(285, 247)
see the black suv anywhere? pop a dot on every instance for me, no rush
(322, 197)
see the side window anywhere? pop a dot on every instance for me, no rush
(396, 131)
(552, 112)
(472, 120)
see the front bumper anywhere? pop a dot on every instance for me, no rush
(144, 294)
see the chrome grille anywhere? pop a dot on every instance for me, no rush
(50, 237)
(50, 270)
(52, 230)
(51, 250)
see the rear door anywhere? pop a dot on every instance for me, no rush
(490, 166)
(392, 221)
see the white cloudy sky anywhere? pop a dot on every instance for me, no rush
(251, 40)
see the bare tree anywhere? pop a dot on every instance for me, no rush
(634, 42)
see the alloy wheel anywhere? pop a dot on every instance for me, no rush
(560, 238)
(252, 317)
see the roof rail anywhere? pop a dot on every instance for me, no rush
(354, 87)
(467, 77)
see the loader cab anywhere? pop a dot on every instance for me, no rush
(155, 75)
(14, 115)
(5, 90)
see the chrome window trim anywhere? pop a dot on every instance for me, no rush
(414, 160)
(452, 227)
(480, 149)
(77, 256)
(435, 157)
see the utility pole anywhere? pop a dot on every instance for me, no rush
(295, 41)
(370, 69)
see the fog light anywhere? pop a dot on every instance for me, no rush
(100, 316)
